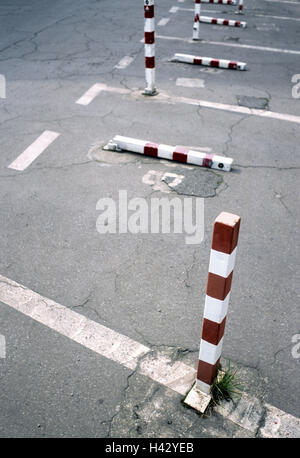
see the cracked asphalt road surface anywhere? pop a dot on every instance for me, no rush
(149, 287)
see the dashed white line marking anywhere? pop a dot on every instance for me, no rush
(234, 45)
(190, 82)
(34, 150)
(124, 62)
(96, 337)
(163, 21)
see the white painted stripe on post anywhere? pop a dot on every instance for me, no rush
(210, 353)
(216, 310)
(34, 150)
(202, 386)
(165, 151)
(96, 337)
(221, 263)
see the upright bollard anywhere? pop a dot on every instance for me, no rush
(149, 39)
(222, 260)
(241, 6)
(196, 26)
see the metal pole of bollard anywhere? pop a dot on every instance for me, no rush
(149, 40)
(196, 26)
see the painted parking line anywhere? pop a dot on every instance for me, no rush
(124, 62)
(175, 9)
(190, 82)
(284, 1)
(164, 21)
(233, 45)
(119, 348)
(95, 90)
(34, 150)
(89, 95)
(96, 337)
(167, 98)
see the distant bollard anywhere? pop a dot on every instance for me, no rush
(149, 40)
(196, 26)
(2, 87)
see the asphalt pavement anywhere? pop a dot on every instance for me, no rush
(148, 287)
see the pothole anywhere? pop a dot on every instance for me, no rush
(260, 103)
(197, 182)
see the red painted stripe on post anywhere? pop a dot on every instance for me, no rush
(214, 63)
(226, 22)
(197, 18)
(150, 62)
(218, 287)
(149, 38)
(207, 372)
(226, 233)
(214, 20)
(233, 65)
(151, 149)
(197, 61)
(208, 160)
(149, 11)
(237, 24)
(213, 332)
(180, 154)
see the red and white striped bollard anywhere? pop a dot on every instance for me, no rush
(196, 26)
(222, 260)
(149, 39)
(241, 6)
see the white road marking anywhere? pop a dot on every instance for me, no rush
(234, 45)
(175, 9)
(175, 375)
(95, 90)
(283, 1)
(164, 97)
(96, 337)
(190, 82)
(90, 94)
(124, 62)
(163, 21)
(34, 150)
(278, 17)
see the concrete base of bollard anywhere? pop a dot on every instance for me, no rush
(150, 93)
(197, 400)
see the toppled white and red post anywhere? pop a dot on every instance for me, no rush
(173, 153)
(221, 265)
(209, 61)
(220, 2)
(149, 40)
(220, 21)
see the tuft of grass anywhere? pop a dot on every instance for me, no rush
(226, 386)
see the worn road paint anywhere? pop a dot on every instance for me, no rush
(96, 337)
(34, 150)
(124, 62)
(190, 82)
